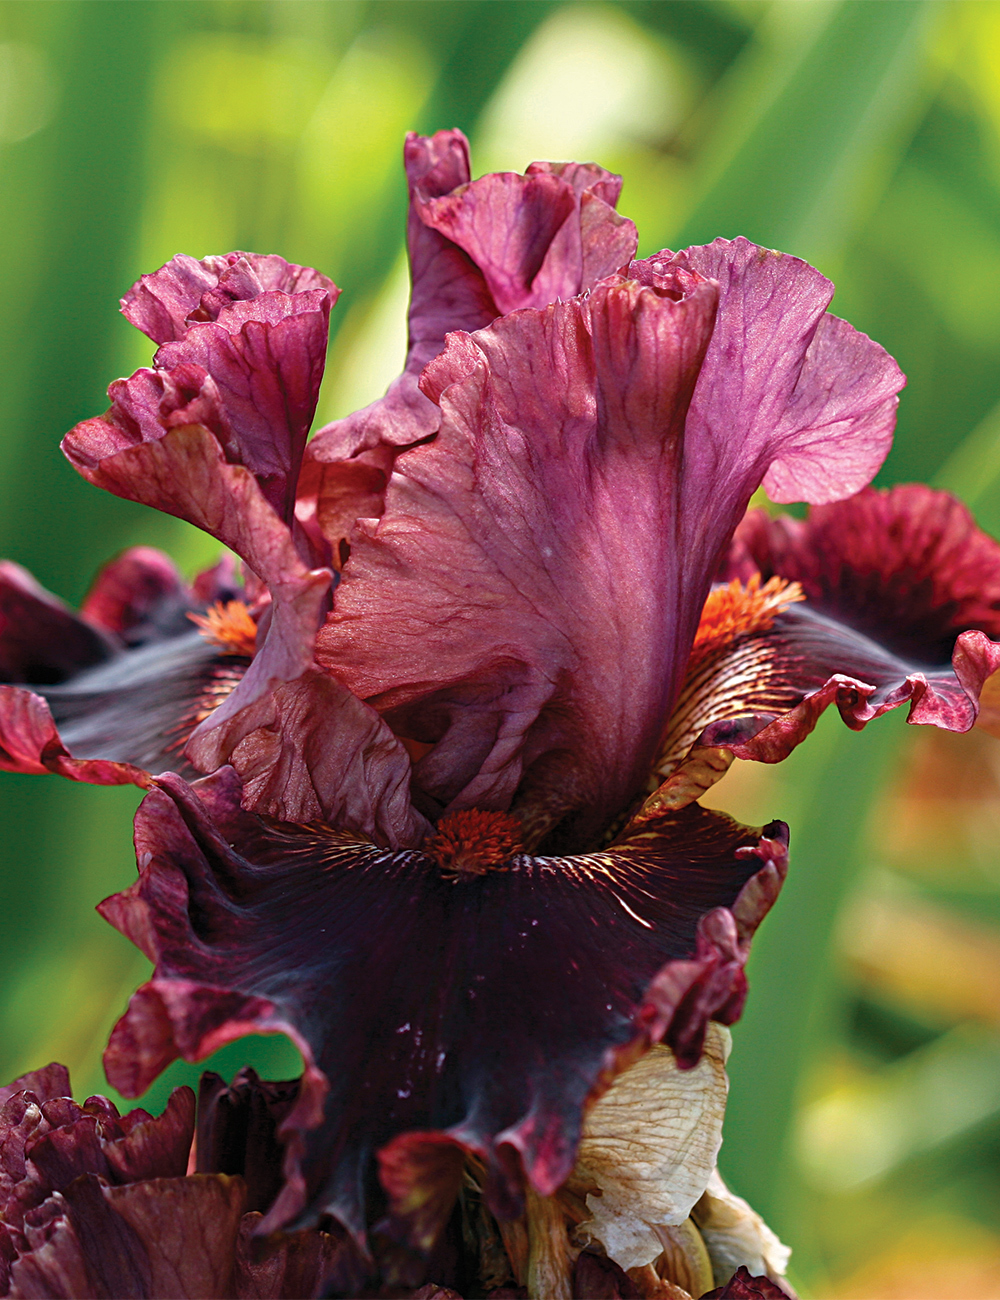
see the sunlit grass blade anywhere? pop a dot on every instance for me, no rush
(806, 121)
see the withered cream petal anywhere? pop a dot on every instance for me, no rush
(649, 1147)
(735, 1234)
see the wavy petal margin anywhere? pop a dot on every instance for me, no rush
(785, 386)
(902, 598)
(94, 1204)
(186, 292)
(477, 249)
(435, 1014)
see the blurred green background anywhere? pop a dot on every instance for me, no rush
(863, 135)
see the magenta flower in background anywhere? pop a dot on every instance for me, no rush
(495, 635)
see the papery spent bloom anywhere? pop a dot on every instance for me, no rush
(457, 717)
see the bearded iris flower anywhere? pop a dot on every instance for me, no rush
(497, 633)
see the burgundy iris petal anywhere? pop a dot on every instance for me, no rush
(519, 602)
(41, 640)
(902, 600)
(251, 376)
(140, 596)
(484, 1007)
(524, 529)
(215, 434)
(476, 250)
(741, 1286)
(117, 689)
(97, 1206)
(906, 567)
(813, 399)
(185, 291)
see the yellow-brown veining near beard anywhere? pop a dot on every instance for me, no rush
(221, 680)
(732, 668)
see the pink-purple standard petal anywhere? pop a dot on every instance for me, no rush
(184, 292)
(251, 377)
(788, 393)
(517, 606)
(578, 484)
(214, 433)
(477, 249)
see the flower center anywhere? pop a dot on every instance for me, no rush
(229, 626)
(472, 842)
(736, 610)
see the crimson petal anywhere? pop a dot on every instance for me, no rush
(902, 600)
(741, 1286)
(165, 304)
(47, 1141)
(476, 250)
(483, 1011)
(484, 613)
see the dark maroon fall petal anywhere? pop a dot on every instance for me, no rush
(595, 1277)
(807, 663)
(237, 1131)
(163, 1237)
(493, 1004)
(41, 639)
(291, 1266)
(125, 682)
